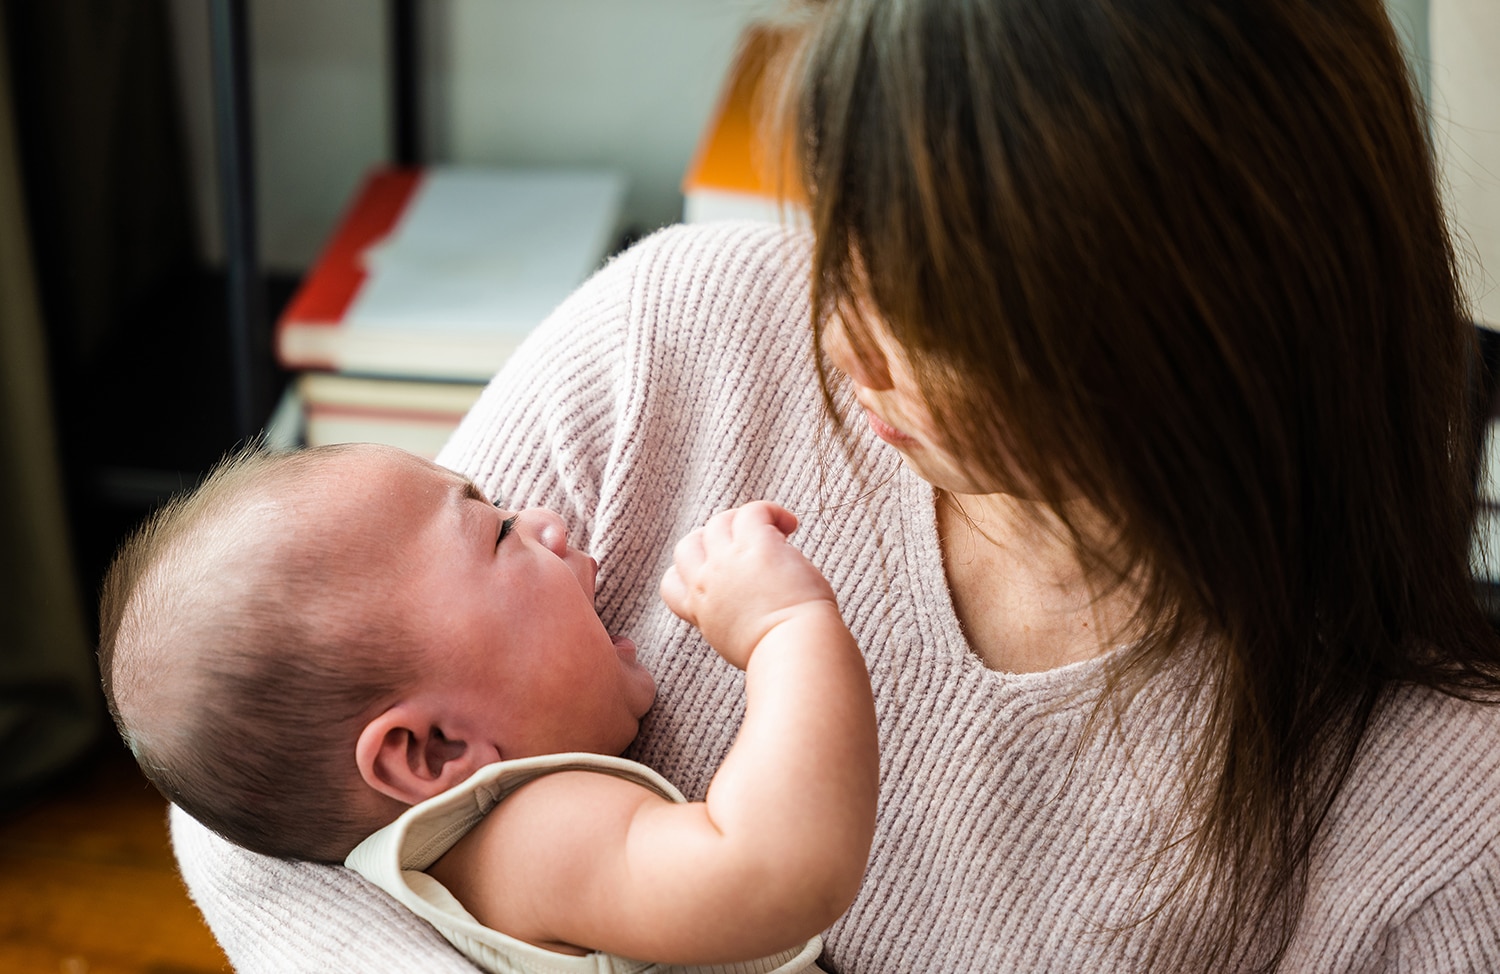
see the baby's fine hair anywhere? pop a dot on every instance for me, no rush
(240, 657)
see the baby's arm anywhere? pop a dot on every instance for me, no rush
(797, 791)
(777, 850)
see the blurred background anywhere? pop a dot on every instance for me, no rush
(113, 337)
(115, 360)
(118, 387)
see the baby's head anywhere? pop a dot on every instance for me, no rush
(309, 642)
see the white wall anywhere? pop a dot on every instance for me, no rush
(610, 83)
(619, 83)
(1466, 115)
(1411, 20)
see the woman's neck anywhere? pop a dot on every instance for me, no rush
(1024, 600)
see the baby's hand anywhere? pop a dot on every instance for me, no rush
(738, 576)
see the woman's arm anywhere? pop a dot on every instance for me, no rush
(547, 432)
(282, 917)
(272, 916)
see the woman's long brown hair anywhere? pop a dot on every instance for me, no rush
(1184, 260)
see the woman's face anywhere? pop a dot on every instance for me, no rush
(894, 405)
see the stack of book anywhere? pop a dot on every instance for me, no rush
(431, 279)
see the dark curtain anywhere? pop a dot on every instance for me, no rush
(47, 704)
(96, 225)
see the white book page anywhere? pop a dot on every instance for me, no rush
(482, 250)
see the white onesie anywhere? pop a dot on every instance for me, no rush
(394, 859)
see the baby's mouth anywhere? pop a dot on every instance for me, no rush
(625, 646)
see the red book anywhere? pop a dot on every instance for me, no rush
(440, 272)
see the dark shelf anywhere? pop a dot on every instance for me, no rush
(159, 412)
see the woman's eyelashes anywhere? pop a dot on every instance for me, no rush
(505, 528)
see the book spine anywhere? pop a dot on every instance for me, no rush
(337, 274)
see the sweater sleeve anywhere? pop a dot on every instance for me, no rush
(535, 439)
(546, 432)
(1456, 930)
(275, 916)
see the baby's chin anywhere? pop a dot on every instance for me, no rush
(640, 686)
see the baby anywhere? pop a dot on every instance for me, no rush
(352, 647)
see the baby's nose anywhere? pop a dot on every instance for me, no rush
(548, 528)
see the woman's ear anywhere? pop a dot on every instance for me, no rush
(406, 754)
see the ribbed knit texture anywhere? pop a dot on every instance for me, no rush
(679, 381)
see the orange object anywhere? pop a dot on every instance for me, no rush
(740, 152)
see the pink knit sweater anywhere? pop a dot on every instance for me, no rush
(678, 382)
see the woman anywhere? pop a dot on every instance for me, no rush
(1146, 494)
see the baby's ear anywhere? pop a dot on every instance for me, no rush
(405, 754)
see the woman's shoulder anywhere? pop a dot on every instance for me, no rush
(730, 247)
(678, 309)
(1412, 844)
(714, 280)
(1426, 749)
(1423, 797)
(703, 304)
(708, 288)
(1419, 727)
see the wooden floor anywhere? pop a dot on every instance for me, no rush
(88, 885)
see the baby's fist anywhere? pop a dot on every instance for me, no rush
(738, 576)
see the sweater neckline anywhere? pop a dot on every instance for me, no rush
(916, 502)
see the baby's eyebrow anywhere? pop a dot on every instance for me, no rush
(463, 492)
(470, 491)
